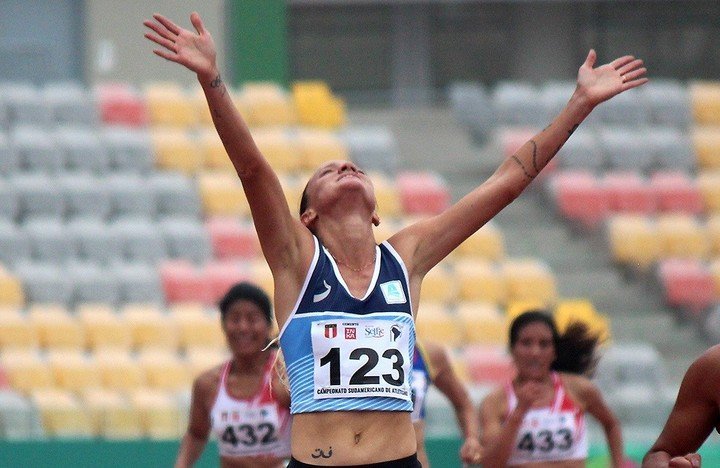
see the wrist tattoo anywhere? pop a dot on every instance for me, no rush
(534, 157)
(216, 82)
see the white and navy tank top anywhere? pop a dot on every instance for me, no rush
(253, 426)
(422, 377)
(554, 433)
(351, 354)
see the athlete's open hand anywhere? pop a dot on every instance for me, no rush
(194, 50)
(601, 83)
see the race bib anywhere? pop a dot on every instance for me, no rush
(251, 430)
(547, 437)
(361, 358)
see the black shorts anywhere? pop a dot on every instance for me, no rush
(407, 462)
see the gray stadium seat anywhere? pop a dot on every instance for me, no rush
(672, 148)
(626, 148)
(14, 245)
(85, 196)
(25, 105)
(92, 284)
(668, 102)
(82, 149)
(129, 149)
(518, 104)
(19, 420)
(141, 240)
(70, 103)
(9, 203)
(630, 365)
(473, 108)
(49, 240)
(45, 283)
(38, 196)
(582, 151)
(139, 283)
(176, 194)
(372, 148)
(37, 151)
(130, 195)
(186, 238)
(9, 157)
(96, 241)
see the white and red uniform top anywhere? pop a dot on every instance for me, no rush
(258, 425)
(554, 433)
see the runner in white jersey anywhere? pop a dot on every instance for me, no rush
(243, 401)
(538, 419)
(337, 214)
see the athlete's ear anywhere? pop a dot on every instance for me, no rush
(375, 219)
(308, 217)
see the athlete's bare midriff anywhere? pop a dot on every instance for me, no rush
(352, 437)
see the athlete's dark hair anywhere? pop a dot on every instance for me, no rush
(304, 199)
(245, 291)
(575, 348)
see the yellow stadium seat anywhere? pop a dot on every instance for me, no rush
(213, 152)
(169, 104)
(261, 275)
(318, 146)
(111, 415)
(316, 105)
(201, 359)
(164, 369)
(705, 102)
(682, 236)
(104, 327)
(177, 150)
(387, 196)
(529, 279)
(708, 183)
(74, 370)
(518, 307)
(150, 326)
(199, 330)
(387, 228)
(582, 310)
(11, 290)
(222, 194)
(436, 323)
(482, 323)
(16, 330)
(706, 142)
(27, 370)
(62, 414)
(159, 413)
(266, 104)
(293, 187)
(440, 284)
(57, 328)
(480, 280)
(634, 241)
(487, 243)
(279, 147)
(118, 369)
(712, 228)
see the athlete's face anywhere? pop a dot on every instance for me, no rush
(245, 327)
(332, 179)
(534, 350)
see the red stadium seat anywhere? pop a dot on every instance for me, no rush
(629, 192)
(120, 104)
(579, 197)
(676, 191)
(221, 275)
(422, 193)
(231, 238)
(688, 284)
(488, 364)
(182, 282)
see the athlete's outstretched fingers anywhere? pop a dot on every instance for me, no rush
(172, 27)
(621, 61)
